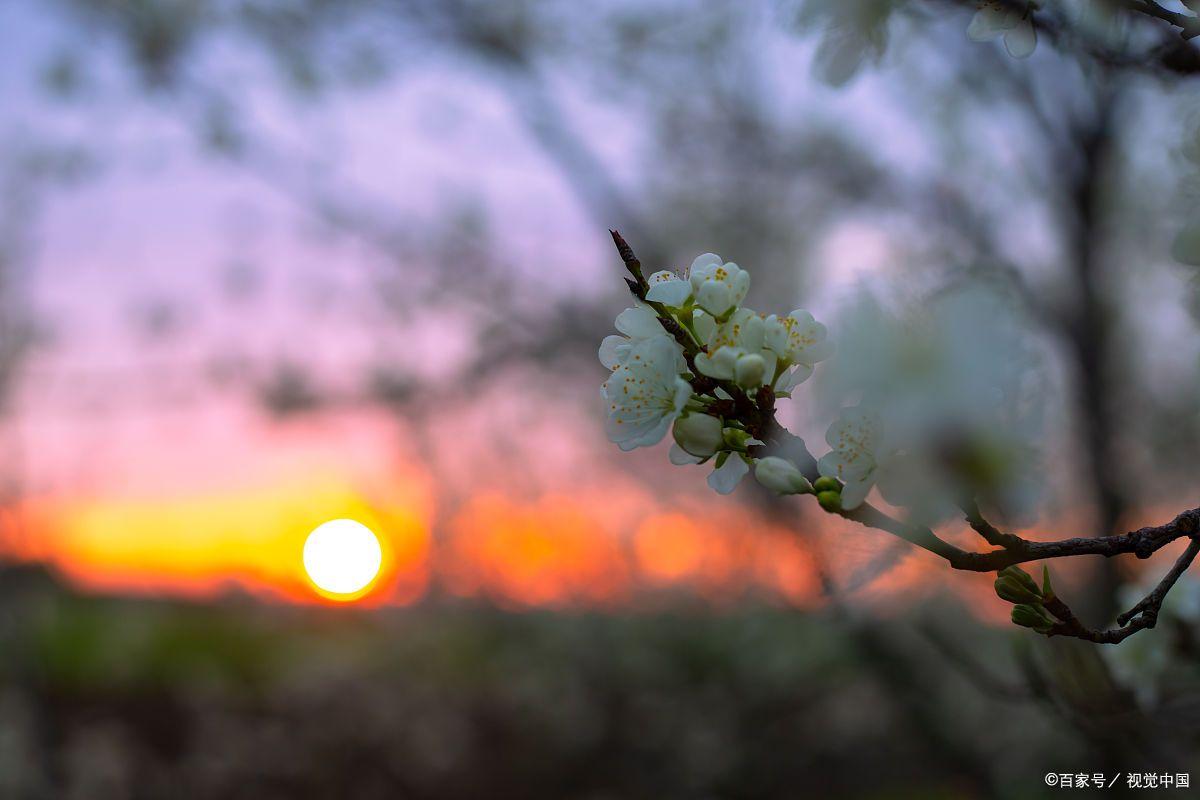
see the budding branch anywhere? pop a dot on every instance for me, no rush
(758, 415)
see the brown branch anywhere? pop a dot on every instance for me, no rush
(990, 533)
(758, 415)
(1142, 616)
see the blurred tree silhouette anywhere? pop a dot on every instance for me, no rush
(691, 126)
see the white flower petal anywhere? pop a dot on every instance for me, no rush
(726, 479)
(681, 457)
(714, 297)
(612, 349)
(639, 322)
(672, 292)
(836, 465)
(854, 493)
(992, 19)
(1021, 41)
(702, 267)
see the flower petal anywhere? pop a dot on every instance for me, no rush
(725, 479)
(672, 292)
(612, 349)
(1021, 41)
(681, 457)
(639, 322)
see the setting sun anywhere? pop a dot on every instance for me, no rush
(342, 557)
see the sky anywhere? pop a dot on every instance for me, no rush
(168, 279)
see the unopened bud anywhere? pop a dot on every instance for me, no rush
(699, 434)
(738, 439)
(825, 484)
(780, 475)
(1012, 590)
(830, 501)
(1021, 576)
(749, 371)
(1031, 616)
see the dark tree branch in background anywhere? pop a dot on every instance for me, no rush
(1189, 27)
(1173, 55)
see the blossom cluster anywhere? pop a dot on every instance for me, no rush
(934, 407)
(698, 378)
(950, 400)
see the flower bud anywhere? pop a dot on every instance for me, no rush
(749, 371)
(826, 484)
(738, 439)
(1019, 575)
(1012, 590)
(1031, 616)
(698, 434)
(780, 475)
(830, 501)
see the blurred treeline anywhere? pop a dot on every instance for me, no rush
(135, 698)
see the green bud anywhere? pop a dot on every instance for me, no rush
(824, 484)
(1047, 591)
(1030, 616)
(1012, 590)
(736, 438)
(1021, 576)
(722, 457)
(830, 501)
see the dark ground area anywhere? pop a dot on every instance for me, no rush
(115, 698)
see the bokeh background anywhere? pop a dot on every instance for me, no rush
(265, 263)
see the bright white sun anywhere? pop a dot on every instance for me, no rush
(342, 556)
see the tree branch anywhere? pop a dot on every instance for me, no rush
(1189, 27)
(758, 414)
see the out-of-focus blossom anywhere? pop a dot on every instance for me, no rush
(854, 32)
(857, 454)
(955, 396)
(1012, 20)
(798, 341)
(1144, 662)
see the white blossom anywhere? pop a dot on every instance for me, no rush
(959, 389)
(995, 18)
(855, 32)
(668, 288)
(637, 324)
(645, 393)
(797, 340)
(856, 438)
(728, 342)
(718, 286)
(780, 475)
